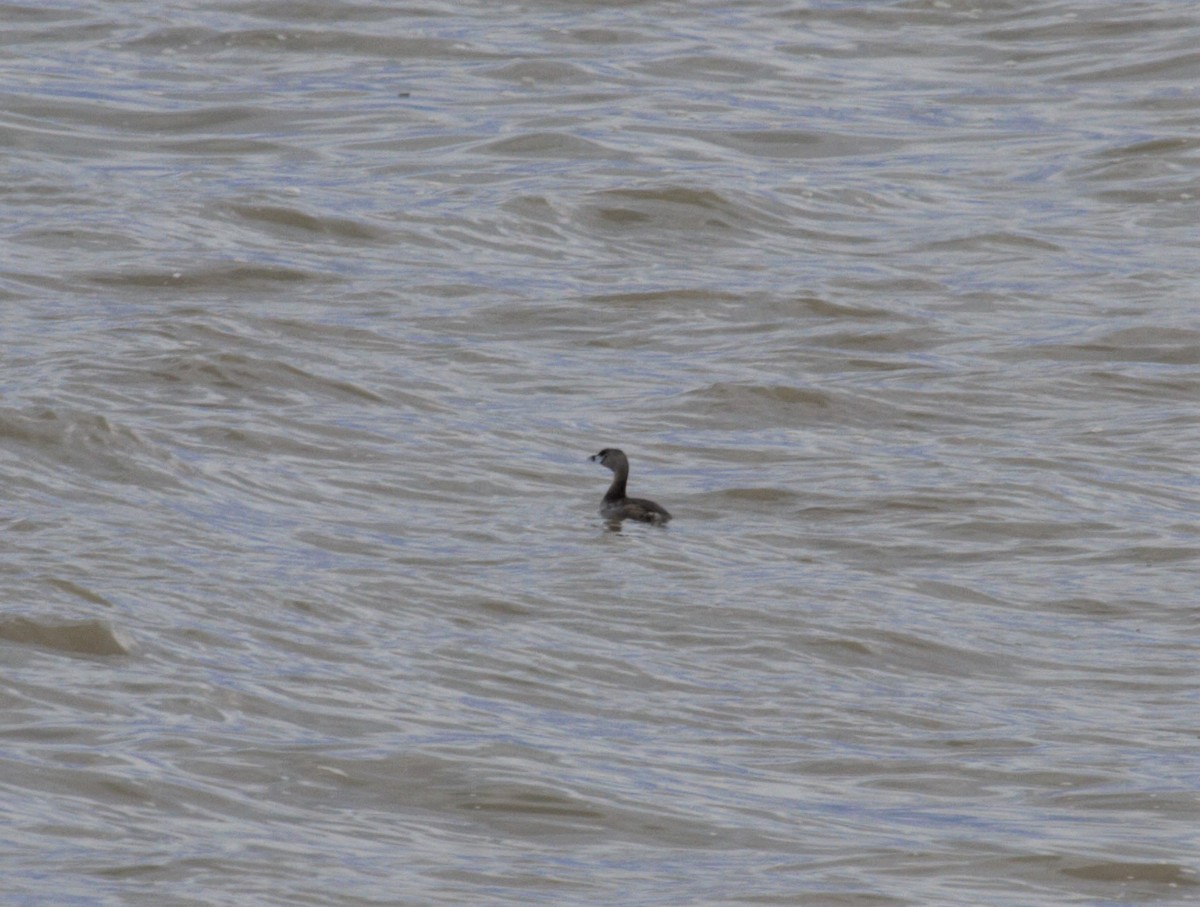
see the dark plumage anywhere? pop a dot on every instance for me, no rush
(616, 506)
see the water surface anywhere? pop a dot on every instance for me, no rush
(313, 313)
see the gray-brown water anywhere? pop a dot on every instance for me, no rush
(312, 313)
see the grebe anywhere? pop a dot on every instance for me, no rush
(615, 506)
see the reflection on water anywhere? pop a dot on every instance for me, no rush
(315, 314)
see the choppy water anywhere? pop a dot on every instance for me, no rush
(312, 313)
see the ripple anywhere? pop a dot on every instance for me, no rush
(63, 439)
(292, 220)
(545, 144)
(78, 637)
(214, 276)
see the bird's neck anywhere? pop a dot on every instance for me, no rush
(616, 491)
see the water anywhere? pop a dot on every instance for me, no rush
(313, 313)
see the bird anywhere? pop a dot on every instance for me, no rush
(616, 507)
